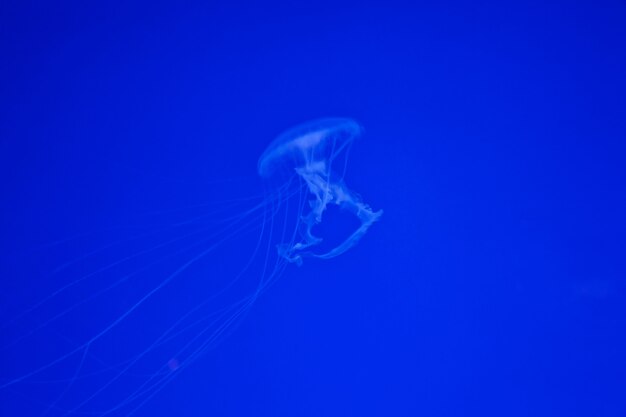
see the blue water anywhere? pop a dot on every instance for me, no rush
(494, 140)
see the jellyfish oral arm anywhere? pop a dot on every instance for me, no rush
(367, 217)
(325, 192)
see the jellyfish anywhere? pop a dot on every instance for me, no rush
(93, 361)
(309, 151)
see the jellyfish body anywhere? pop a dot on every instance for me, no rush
(310, 151)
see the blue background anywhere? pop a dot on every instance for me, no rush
(495, 143)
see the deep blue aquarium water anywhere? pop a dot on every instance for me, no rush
(192, 209)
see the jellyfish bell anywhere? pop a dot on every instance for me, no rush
(309, 145)
(309, 152)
